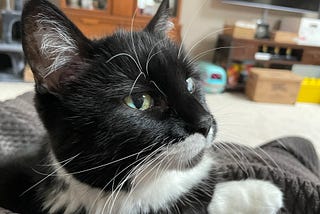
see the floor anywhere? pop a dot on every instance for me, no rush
(239, 119)
(243, 121)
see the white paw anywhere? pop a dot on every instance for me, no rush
(246, 197)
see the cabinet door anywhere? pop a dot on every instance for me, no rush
(243, 50)
(124, 8)
(311, 56)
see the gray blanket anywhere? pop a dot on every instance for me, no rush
(20, 128)
(291, 163)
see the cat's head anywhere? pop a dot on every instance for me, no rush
(116, 104)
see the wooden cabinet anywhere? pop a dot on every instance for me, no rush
(283, 55)
(237, 56)
(97, 18)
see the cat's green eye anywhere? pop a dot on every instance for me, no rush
(139, 101)
(190, 85)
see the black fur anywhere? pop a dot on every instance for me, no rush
(82, 103)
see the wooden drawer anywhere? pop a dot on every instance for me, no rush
(311, 56)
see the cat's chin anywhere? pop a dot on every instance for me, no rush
(182, 156)
(187, 153)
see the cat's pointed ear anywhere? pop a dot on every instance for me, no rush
(160, 23)
(54, 47)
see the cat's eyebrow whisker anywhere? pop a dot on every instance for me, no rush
(128, 55)
(56, 170)
(148, 58)
(137, 64)
(198, 56)
(189, 26)
(158, 88)
(131, 34)
(135, 82)
(205, 37)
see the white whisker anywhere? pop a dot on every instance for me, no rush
(135, 82)
(119, 187)
(158, 88)
(232, 156)
(39, 182)
(125, 54)
(149, 59)
(198, 56)
(132, 40)
(208, 35)
(189, 27)
(149, 55)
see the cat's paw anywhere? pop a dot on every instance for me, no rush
(246, 197)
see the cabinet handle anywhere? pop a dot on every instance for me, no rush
(90, 21)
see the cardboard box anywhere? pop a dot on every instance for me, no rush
(286, 37)
(240, 32)
(273, 85)
(27, 74)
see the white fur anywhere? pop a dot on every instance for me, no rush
(169, 186)
(56, 44)
(246, 197)
(153, 189)
(189, 148)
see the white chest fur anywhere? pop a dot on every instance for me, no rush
(150, 194)
(169, 186)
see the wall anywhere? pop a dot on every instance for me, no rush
(212, 17)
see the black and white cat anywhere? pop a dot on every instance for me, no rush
(129, 131)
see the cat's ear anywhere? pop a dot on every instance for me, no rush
(160, 23)
(54, 47)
